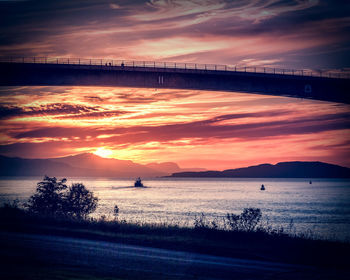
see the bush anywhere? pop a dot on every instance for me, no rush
(49, 197)
(79, 202)
(233, 221)
(248, 220)
(54, 198)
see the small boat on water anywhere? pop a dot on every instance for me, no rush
(138, 183)
(262, 187)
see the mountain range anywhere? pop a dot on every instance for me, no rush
(294, 169)
(85, 165)
(91, 165)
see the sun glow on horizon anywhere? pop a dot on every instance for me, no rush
(204, 129)
(103, 152)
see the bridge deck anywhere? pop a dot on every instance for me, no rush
(19, 73)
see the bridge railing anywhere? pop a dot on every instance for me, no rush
(345, 74)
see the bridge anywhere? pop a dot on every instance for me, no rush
(46, 71)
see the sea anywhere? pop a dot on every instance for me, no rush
(319, 210)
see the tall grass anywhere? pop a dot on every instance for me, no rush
(245, 235)
(250, 221)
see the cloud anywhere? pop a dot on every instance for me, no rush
(114, 6)
(7, 112)
(189, 127)
(206, 129)
(211, 31)
(48, 109)
(201, 144)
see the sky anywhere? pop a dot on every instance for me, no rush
(295, 34)
(213, 130)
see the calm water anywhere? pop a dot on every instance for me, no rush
(322, 207)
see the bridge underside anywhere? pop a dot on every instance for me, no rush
(318, 88)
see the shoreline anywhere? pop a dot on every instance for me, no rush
(258, 244)
(41, 247)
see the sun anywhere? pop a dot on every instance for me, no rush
(103, 152)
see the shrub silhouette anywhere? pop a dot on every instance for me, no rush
(250, 218)
(233, 221)
(54, 198)
(49, 197)
(79, 202)
(246, 221)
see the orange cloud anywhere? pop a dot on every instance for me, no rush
(194, 128)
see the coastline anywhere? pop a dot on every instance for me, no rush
(254, 249)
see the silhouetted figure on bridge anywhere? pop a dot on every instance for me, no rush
(122, 64)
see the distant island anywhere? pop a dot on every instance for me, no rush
(294, 169)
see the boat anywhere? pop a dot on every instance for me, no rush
(262, 187)
(138, 183)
